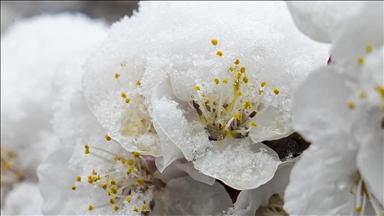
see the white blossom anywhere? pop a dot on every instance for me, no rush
(339, 109)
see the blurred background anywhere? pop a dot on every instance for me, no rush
(110, 11)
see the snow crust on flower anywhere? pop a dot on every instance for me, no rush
(24, 199)
(249, 201)
(31, 51)
(177, 198)
(112, 80)
(228, 44)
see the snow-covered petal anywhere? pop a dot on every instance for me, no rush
(185, 196)
(249, 201)
(318, 19)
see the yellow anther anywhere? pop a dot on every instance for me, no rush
(245, 79)
(197, 88)
(90, 208)
(369, 49)
(108, 138)
(358, 209)
(123, 95)
(237, 62)
(360, 60)
(231, 68)
(78, 178)
(86, 149)
(104, 186)
(206, 101)
(73, 187)
(117, 75)
(362, 95)
(127, 100)
(237, 116)
(138, 82)
(131, 170)
(214, 42)
(351, 105)
(223, 125)
(225, 81)
(144, 208)
(228, 133)
(113, 182)
(380, 90)
(276, 91)
(239, 93)
(247, 104)
(263, 84)
(140, 181)
(128, 199)
(219, 53)
(242, 69)
(238, 75)
(217, 81)
(112, 201)
(131, 162)
(11, 154)
(253, 124)
(116, 208)
(261, 92)
(94, 172)
(135, 209)
(136, 154)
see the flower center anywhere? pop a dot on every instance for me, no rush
(274, 207)
(362, 194)
(229, 106)
(128, 180)
(10, 170)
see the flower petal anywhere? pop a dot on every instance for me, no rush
(317, 19)
(185, 196)
(239, 163)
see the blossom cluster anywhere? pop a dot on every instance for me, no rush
(196, 108)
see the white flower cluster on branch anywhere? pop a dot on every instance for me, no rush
(196, 108)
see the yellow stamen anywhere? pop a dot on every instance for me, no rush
(219, 53)
(123, 95)
(237, 116)
(117, 75)
(239, 93)
(214, 42)
(112, 201)
(253, 124)
(360, 60)
(144, 208)
(73, 187)
(263, 84)
(380, 90)
(131, 162)
(127, 100)
(237, 62)
(128, 199)
(276, 91)
(197, 88)
(225, 81)
(261, 92)
(140, 181)
(138, 82)
(245, 79)
(136, 154)
(135, 209)
(369, 49)
(358, 209)
(351, 105)
(108, 138)
(78, 178)
(86, 149)
(216, 81)
(242, 69)
(90, 208)
(363, 95)
(116, 208)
